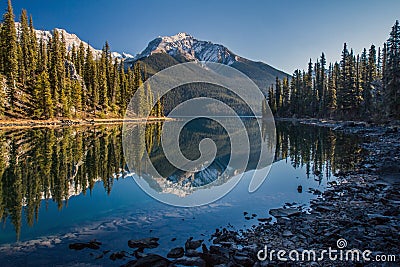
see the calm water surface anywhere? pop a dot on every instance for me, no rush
(60, 185)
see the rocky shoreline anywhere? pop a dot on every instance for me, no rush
(360, 210)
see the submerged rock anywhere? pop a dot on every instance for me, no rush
(117, 255)
(150, 242)
(190, 262)
(192, 253)
(193, 244)
(91, 244)
(284, 212)
(152, 260)
(176, 253)
(300, 189)
(265, 219)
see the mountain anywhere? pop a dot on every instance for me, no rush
(190, 48)
(163, 52)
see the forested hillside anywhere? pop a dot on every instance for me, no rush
(360, 87)
(42, 79)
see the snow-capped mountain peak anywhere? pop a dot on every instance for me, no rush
(126, 55)
(184, 44)
(177, 37)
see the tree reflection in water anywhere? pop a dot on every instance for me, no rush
(52, 164)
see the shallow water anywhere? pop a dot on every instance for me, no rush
(60, 185)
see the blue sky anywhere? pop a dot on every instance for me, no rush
(284, 34)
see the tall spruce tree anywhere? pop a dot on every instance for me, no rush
(10, 53)
(285, 96)
(76, 91)
(278, 95)
(3, 97)
(42, 94)
(80, 61)
(308, 103)
(54, 55)
(330, 100)
(123, 88)
(322, 85)
(392, 76)
(347, 91)
(363, 80)
(25, 46)
(103, 83)
(32, 55)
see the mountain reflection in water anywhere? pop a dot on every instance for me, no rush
(40, 165)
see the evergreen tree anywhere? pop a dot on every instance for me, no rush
(347, 93)
(91, 82)
(392, 76)
(54, 55)
(76, 95)
(25, 46)
(42, 94)
(123, 88)
(322, 85)
(316, 89)
(372, 68)
(73, 56)
(114, 85)
(32, 55)
(9, 53)
(307, 94)
(138, 90)
(285, 95)
(363, 80)
(384, 65)
(80, 61)
(379, 64)
(278, 95)
(368, 76)
(42, 57)
(65, 92)
(3, 86)
(296, 96)
(103, 83)
(331, 90)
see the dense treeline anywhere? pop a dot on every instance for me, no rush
(41, 79)
(360, 87)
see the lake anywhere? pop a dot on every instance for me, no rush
(63, 184)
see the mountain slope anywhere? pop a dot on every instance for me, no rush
(166, 51)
